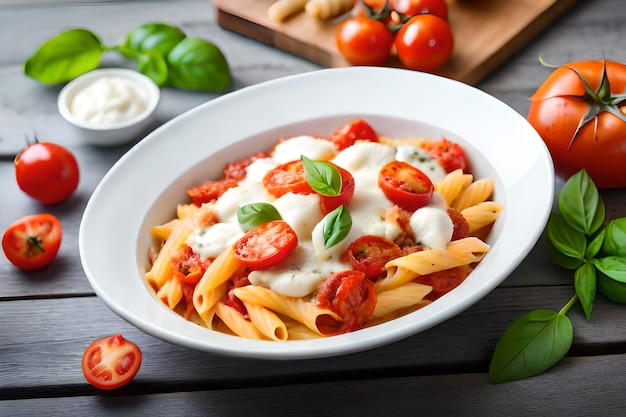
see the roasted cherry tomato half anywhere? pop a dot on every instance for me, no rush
(32, 242)
(266, 245)
(237, 170)
(287, 177)
(364, 41)
(188, 266)
(349, 133)
(370, 253)
(448, 154)
(438, 8)
(210, 190)
(111, 362)
(405, 185)
(349, 294)
(424, 42)
(47, 172)
(329, 203)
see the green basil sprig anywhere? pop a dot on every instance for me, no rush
(252, 215)
(337, 226)
(322, 176)
(162, 52)
(579, 240)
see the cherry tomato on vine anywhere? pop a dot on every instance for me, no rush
(424, 42)
(370, 253)
(349, 133)
(349, 294)
(364, 41)
(405, 185)
(438, 8)
(32, 242)
(47, 172)
(111, 362)
(563, 102)
(266, 245)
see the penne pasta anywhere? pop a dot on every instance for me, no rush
(236, 322)
(481, 215)
(406, 295)
(220, 270)
(161, 269)
(452, 184)
(476, 192)
(328, 9)
(267, 322)
(281, 10)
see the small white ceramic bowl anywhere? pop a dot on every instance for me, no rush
(110, 106)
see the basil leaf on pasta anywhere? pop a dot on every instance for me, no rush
(322, 176)
(337, 226)
(255, 214)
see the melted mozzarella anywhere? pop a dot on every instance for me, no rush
(313, 148)
(432, 227)
(299, 275)
(245, 193)
(365, 155)
(419, 159)
(324, 254)
(209, 242)
(300, 211)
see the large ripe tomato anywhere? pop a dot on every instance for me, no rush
(47, 172)
(563, 103)
(414, 7)
(364, 41)
(424, 42)
(266, 245)
(111, 362)
(349, 294)
(405, 185)
(32, 242)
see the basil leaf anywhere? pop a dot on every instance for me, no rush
(615, 237)
(564, 261)
(580, 203)
(65, 57)
(531, 345)
(611, 289)
(585, 285)
(153, 65)
(253, 215)
(322, 176)
(612, 266)
(197, 64)
(157, 37)
(595, 245)
(337, 226)
(565, 239)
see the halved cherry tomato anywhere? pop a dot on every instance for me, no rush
(32, 242)
(444, 281)
(47, 172)
(349, 294)
(329, 203)
(450, 155)
(370, 253)
(405, 185)
(210, 190)
(424, 42)
(461, 226)
(363, 40)
(349, 133)
(111, 362)
(266, 245)
(237, 170)
(413, 7)
(188, 266)
(287, 177)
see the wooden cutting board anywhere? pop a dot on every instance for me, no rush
(486, 32)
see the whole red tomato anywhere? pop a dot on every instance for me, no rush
(364, 41)
(563, 103)
(32, 242)
(438, 8)
(424, 42)
(47, 172)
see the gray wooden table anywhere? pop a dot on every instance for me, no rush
(49, 317)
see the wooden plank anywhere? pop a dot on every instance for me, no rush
(486, 32)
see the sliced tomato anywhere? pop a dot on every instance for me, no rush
(349, 133)
(32, 242)
(210, 190)
(349, 294)
(444, 281)
(111, 362)
(287, 177)
(329, 203)
(450, 155)
(461, 226)
(188, 266)
(237, 170)
(370, 253)
(405, 185)
(266, 245)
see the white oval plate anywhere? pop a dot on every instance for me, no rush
(144, 186)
